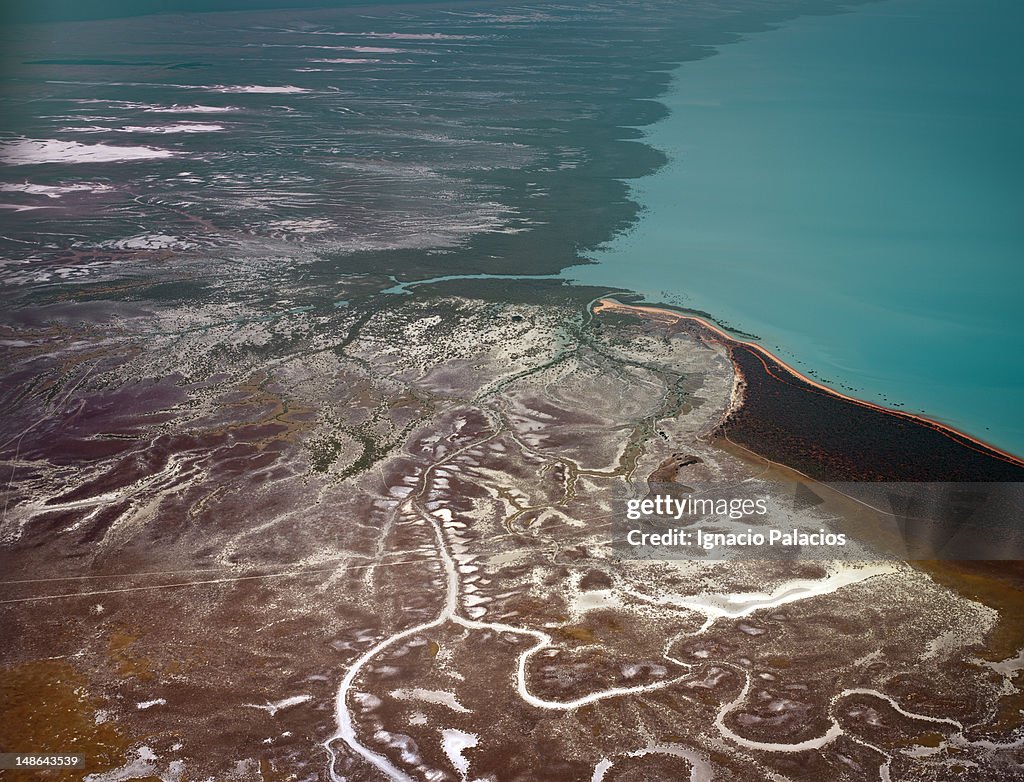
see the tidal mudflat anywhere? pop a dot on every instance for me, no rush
(379, 554)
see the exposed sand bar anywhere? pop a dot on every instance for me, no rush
(782, 372)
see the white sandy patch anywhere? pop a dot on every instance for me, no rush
(150, 242)
(190, 109)
(348, 60)
(54, 191)
(455, 742)
(259, 89)
(406, 36)
(276, 706)
(32, 151)
(142, 766)
(1008, 668)
(179, 127)
(594, 600)
(309, 225)
(740, 604)
(440, 697)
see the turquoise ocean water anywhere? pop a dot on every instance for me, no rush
(850, 188)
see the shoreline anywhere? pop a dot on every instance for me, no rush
(770, 363)
(759, 206)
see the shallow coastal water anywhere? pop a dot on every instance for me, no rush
(868, 229)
